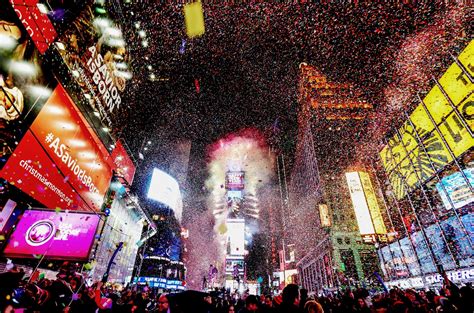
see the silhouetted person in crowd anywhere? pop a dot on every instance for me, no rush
(290, 299)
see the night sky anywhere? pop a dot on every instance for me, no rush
(246, 66)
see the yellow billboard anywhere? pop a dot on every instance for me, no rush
(359, 203)
(435, 132)
(372, 203)
(324, 215)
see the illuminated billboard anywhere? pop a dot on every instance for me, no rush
(234, 180)
(433, 130)
(55, 235)
(235, 236)
(232, 263)
(324, 215)
(165, 189)
(360, 204)
(123, 164)
(373, 205)
(60, 161)
(37, 23)
(456, 190)
(98, 60)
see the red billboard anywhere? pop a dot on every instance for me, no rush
(60, 161)
(122, 163)
(36, 23)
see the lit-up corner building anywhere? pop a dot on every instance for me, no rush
(425, 168)
(330, 251)
(159, 264)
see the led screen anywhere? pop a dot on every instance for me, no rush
(234, 181)
(417, 147)
(360, 204)
(456, 190)
(409, 256)
(123, 163)
(423, 253)
(236, 236)
(56, 235)
(457, 239)
(439, 247)
(231, 264)
(60, 161)
(165, 189)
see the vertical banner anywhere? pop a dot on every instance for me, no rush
(324, 215)
(360, 204)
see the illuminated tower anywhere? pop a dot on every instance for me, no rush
(235, 222)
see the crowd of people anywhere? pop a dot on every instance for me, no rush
(70, 293)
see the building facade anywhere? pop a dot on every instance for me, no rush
(425, 169)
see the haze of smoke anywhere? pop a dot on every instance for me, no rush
(246, 153)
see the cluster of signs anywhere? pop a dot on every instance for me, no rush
(50, 149)
(438, 130)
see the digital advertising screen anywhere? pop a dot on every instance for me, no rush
(231, 264)
(439, 247)
(166, 243)
(457, 239)
(123, 163)
(359, 203)
(36, 22)
(234, 180)
(165, 189)
(398, 262)
(25, 82)
(60, 161)
(324, 215)
(6, 212)
(409, 256)
(236, 236)
(53, 234)
(404, 152)
(372, 203)
(455, 190)
(423, 253)
(98, 58)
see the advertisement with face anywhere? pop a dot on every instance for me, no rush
(60, 162)
(25, 84)
(56, 235)
(94, 51)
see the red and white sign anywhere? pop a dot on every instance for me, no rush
(122, 163)
(36, 23)
(60, 161)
